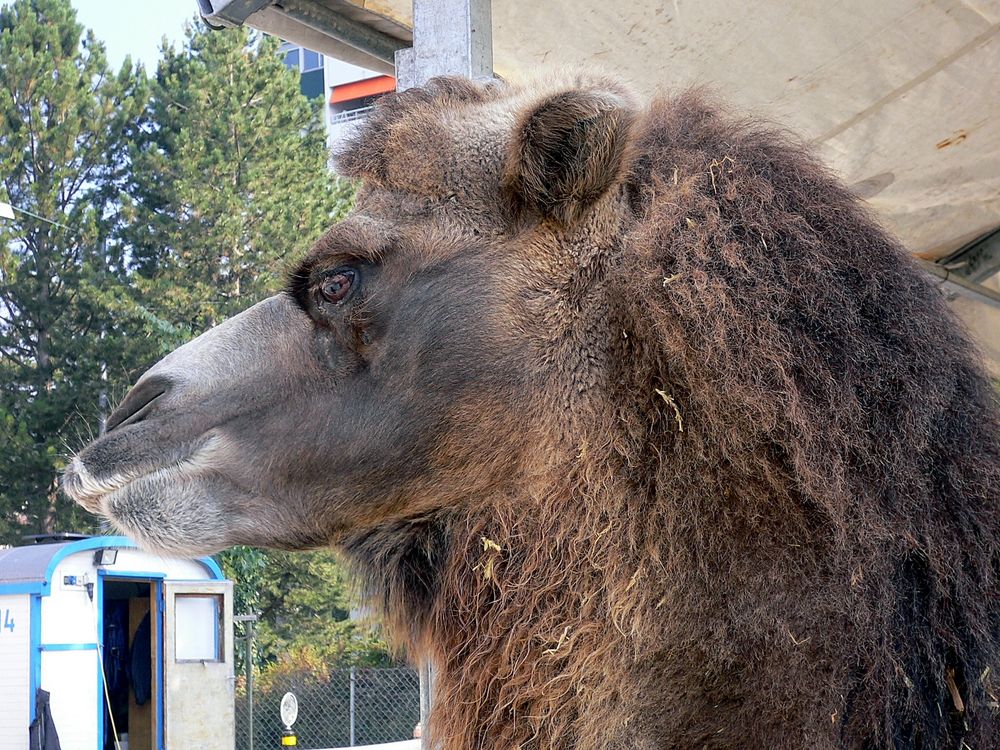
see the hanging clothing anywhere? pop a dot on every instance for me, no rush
(115, 645)
(42, 734)
(115, 653)
(141, 660)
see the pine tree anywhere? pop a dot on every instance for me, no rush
(232, 180)
(65, 120)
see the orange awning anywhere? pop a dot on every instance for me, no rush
(358, 89)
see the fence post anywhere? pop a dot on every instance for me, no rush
(354, 678)
(248, 658)
(248, 621)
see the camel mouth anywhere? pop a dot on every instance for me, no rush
(94, 493)
(84, 489)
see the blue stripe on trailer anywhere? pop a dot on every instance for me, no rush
(22, 587)
(99, 603)
(160, 619)
(35, 652)
(133, 575)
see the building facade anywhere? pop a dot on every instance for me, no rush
(348, 91)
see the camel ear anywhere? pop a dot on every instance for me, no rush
(566, 152)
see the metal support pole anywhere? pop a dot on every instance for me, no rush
(426, 692)
(354, 679)
(978, 260)
(955, 284)
(450, 37)
(248, 658)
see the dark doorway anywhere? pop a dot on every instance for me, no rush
(129, 635)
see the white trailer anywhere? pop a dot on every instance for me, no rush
(134, 650)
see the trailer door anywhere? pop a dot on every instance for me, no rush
(198, 686)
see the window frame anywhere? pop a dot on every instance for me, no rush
(219, 622)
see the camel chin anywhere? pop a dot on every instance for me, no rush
(195, 525)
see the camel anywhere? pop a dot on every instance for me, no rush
(631, 419)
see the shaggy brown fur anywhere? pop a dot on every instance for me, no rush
(778, 525)
(635, 422)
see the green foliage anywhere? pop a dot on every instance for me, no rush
(231, 178)
(65, 314)
(304, 600)
(245, 566)
(305, 603)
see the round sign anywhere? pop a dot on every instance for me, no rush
(289, 709)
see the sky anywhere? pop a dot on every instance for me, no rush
(135, 28)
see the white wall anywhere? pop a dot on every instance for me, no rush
(71, 678)
(337, 72)
(15, 644)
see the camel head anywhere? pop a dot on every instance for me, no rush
(400, 371)
(632, 420)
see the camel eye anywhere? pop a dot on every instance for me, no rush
(334, 288)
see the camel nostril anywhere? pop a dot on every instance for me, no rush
(138, 403)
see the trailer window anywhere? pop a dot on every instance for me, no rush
(198, 630)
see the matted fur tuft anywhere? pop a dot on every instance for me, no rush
(841, 454)
(365, 154)
(777, 522)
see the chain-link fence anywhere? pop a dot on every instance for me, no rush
(343, 708)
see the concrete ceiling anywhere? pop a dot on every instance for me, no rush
(900, 97)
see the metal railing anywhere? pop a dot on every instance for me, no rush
(350, 115)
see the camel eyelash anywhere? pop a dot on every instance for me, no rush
(304, 281)
(298, 285)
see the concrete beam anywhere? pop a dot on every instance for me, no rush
(450, 37)
(343, 29)
(310, 24)
(229, 13)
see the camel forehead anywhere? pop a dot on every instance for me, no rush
(449, 153)
(434, 168)
(388, 229)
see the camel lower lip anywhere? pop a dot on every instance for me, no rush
(90, 492)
